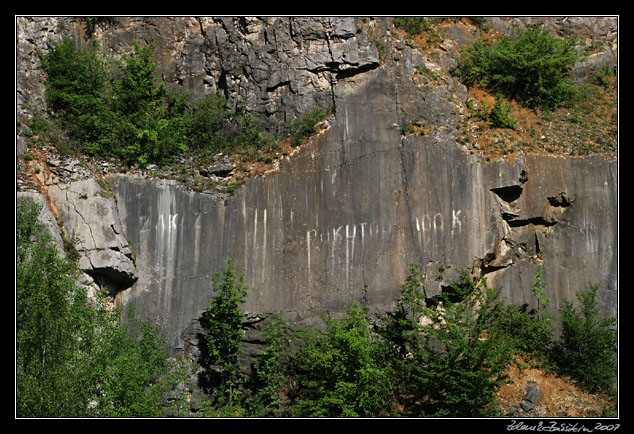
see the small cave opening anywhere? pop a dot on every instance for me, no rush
(509, 193)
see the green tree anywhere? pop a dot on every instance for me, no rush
(114, 109)
(500, 115)
(448, 356)
(76, 92)
(587, 347)
(462, 361)
(212, 124)
(530, 332)
(137, 91)
(222, 324)
(531, 67)
(400, 327)
(51, 316)
(269, 371)
(342, 371)
(150, 122)
(74, 357)
(131, 370)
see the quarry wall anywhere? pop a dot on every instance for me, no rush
(342, 218)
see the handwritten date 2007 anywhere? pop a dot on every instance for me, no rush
(555, 426)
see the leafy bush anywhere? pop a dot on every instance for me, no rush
(133, 374)
(400, 327)
(531, 67)
(425, 26)
(76, 85)
(50, 311)
(213, 126)
(500, 115)
(110, 111)
(481, 22)
(412, 25)
(530, 332)
(417, 25)
(586, 349)
(603, 75)
(446, 351)
(306, 124)
(122, 110)
(342, 371)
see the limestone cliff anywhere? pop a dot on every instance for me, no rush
(342, 217)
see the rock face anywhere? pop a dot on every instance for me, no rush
(280, 67)
(92, 221)
(324, 231)
(46, 217)
(343, 217)
(88, 217)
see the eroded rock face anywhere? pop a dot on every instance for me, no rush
(105, 260)
(280, 67)
(92, 221)
(342, 218)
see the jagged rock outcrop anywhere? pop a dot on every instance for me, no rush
(280, 67)
(82, 208)
(51, 226)
(343, 217)
(92, 222)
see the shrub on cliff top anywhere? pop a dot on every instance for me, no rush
(112, 110)
(531, 67)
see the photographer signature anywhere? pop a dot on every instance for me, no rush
(555, 426)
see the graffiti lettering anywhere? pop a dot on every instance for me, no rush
(342, 242)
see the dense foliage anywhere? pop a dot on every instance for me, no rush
(529, 331)
(447, 350)
(74, 357)
(432, 357)
(121, 109)
(113, 108)
(306, 124)
(462, 360)
(531, 67)
(342, 371)
(268, 378)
